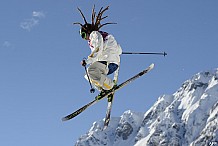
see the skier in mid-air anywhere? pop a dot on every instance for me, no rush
(103, 61)
(105, 52)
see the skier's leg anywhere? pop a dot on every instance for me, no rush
(93, 84)
(98, 75)
(106, 82)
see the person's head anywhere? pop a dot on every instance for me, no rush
(85, 31)
(87, 28)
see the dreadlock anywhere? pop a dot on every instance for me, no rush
(96, 20)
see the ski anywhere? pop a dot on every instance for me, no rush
(110, 101)
(108, 113)
(105, 94)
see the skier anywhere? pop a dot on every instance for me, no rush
(105, 52)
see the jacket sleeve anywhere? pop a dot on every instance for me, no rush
(96, 43)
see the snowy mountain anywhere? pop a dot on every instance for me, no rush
(188, 117)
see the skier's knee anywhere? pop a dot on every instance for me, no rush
(94, 74)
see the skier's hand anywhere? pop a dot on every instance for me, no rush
(83, 63)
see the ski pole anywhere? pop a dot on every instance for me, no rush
(92, 90)
(129, 53)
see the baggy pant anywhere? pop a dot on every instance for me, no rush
(98, 76)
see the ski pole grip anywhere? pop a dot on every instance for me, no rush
(84, 63)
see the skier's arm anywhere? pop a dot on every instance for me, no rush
(96, 41)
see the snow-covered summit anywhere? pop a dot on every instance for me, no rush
(188, 117)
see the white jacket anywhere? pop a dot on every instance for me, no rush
(103, 48)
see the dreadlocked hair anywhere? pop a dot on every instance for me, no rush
(96, 20)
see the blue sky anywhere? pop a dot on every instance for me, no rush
(41, 79)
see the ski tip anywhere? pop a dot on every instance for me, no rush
(152, 65)
(64, 119)
(105, 127)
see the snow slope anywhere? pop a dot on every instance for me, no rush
(188, 117)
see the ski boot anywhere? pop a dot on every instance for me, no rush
(104, 92)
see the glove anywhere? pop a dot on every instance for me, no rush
(83, 63)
